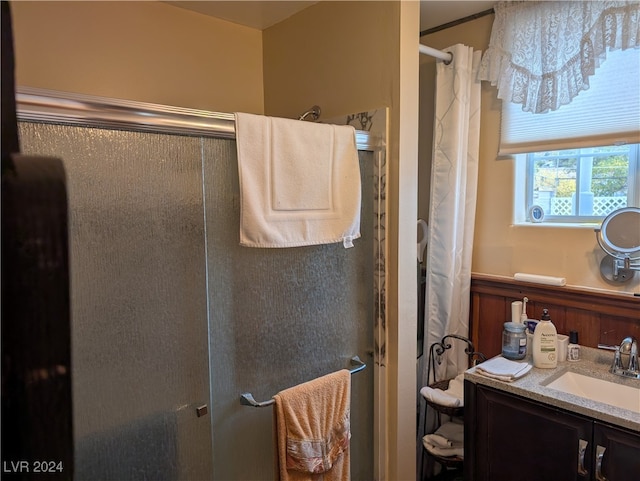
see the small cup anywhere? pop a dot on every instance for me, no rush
(563, 345)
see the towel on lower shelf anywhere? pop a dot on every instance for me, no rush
(503, 369)
(439, 441)
(448, 440)
(452, 397)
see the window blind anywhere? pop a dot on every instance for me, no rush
(607, 113)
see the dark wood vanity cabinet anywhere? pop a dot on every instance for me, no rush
(509, 438)
(621, 459)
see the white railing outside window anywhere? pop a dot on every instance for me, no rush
(602, 206)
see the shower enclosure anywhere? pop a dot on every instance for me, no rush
(171, 318)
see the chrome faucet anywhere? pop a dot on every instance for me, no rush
(628, 346)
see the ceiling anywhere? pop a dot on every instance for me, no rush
(255, 14)
(263, 14)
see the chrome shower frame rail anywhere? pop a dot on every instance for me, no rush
(247, 399)
(50, 106)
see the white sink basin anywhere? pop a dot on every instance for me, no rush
(619, 395)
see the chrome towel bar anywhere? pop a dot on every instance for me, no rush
(247, 399)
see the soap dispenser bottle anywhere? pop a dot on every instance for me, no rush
(545, 343)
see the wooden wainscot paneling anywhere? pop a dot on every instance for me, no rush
(598, 317)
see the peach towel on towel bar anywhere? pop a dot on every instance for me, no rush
(313, 429)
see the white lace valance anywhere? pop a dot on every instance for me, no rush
(542, 53)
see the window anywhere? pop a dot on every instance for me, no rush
(581, 162)
(581, 185)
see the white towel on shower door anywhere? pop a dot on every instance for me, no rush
(299, 182)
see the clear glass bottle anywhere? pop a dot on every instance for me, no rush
(514, 341)
(573, 353)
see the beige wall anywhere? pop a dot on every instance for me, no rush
(350, 57)
(499, 247)
(346, 56)
(143, 51)
(339, 55)
(402, 463)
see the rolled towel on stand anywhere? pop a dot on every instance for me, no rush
(456, 388)
(453, 396)
(438, 396)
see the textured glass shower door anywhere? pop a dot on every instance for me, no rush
(138, 301)
(280, 317)
(169, 313)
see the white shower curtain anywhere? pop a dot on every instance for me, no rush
(454, 178)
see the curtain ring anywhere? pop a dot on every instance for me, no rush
(447, 62)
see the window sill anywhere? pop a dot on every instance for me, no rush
(561, 225)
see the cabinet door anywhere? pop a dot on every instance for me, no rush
(520, 440)
(617, 454)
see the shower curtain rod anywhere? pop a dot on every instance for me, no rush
(50, 106)
(432, 52)
(457, 22)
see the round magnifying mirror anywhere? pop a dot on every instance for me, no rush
(620, 230)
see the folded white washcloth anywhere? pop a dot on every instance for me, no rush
(501, 366)
(503, 369)
(438, 396)
(506, 378)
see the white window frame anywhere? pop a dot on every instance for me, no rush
(523, 193)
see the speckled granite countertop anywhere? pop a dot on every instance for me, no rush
(593, 362)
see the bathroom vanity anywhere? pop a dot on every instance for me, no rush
(548, 426)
